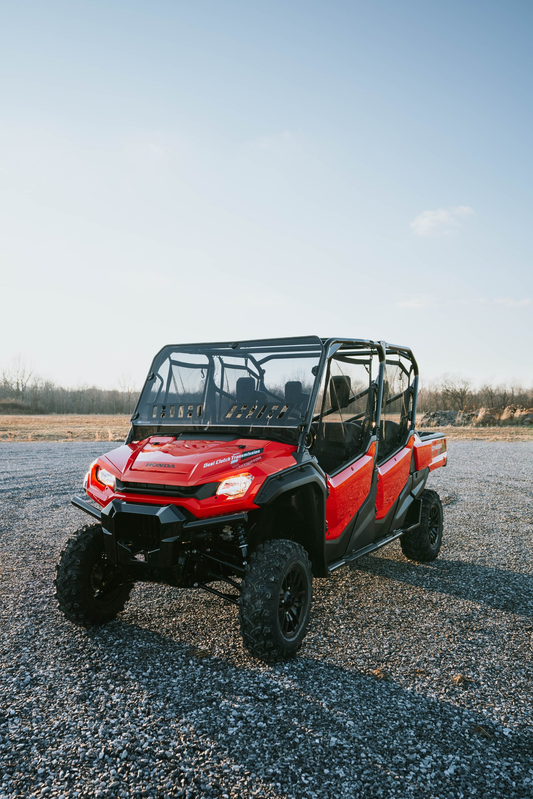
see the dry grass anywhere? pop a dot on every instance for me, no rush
(73, 427)
(507, 433)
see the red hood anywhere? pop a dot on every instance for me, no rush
(167, 460)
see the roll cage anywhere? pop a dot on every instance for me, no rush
(267, 413)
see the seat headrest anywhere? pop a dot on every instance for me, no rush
(340, 388)
(293, 391)
(245, 389)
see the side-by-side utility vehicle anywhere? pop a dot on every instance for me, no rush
(251, 467)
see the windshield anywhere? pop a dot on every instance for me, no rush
(245, 385)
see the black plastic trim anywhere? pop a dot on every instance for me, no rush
(306, 475)
(216, 521)
(203, 491)
(158, 529)
(80, 503)
(290, 479)
(365, 550)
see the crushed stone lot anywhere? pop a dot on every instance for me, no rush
(415, 680)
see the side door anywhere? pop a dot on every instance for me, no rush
(396, 440)
(345, 446)
(348, 489)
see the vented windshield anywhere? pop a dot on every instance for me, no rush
(222, 385)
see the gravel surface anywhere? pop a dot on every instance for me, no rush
(414, 680)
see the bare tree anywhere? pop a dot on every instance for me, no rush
(129, 392)
(487, 395)
(456, 392)
(17, 376)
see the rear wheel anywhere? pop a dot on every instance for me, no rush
(89, 588)
(424, 542)
(275, 600)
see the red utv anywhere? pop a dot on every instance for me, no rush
(251, 467)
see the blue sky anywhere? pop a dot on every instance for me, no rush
(175, 172)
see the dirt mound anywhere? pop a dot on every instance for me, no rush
(446, 418)
(484, 417)
(516, 414)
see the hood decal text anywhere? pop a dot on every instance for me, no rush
(235, 459)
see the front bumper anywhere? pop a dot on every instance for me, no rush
(161, 532)
(157, 531)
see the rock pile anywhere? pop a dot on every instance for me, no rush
(484, 417)
(515, 414)
(446, 418)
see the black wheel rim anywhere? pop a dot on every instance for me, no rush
(106, 581)
(293, 597)
(434, 526)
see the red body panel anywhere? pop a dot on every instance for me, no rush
(347, 492)
(393, 475)
(166, 460)
(181, 462)
(432, 453)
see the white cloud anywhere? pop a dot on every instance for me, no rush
(509, 302)
(417, 302)
(440, 222)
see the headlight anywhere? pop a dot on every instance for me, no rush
(104, 477)
(235, 486)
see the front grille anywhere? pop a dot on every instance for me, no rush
(198, 492)
(140, 530)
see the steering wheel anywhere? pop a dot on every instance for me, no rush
(310, 439)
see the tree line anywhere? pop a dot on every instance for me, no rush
(22, 391)
(449, 394)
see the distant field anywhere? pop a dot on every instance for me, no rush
(74, 427)
(71, 427)
(485, 433)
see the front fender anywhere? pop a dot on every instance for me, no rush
(307, 481)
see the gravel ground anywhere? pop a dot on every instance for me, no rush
(414, 680)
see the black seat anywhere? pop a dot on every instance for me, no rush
(393, 435)
(337, 444)
(245, 390)
(294, 394)
(249, 397)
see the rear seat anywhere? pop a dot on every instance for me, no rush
(294, 394)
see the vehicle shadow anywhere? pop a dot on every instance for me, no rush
(310, 727)
(497, 588)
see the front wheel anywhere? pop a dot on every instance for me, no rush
(89, 588)
(275, 601)
(424, 542)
